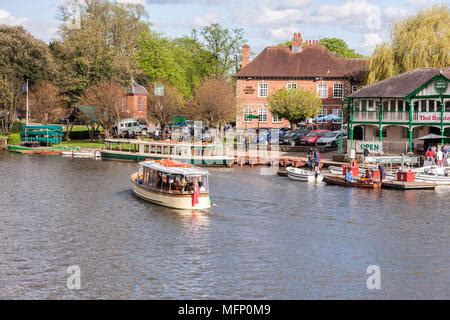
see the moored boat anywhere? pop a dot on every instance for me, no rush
(358, 183)
(303, 175)
(82, 154)
(172, 184)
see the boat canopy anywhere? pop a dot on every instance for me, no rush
(174, 167)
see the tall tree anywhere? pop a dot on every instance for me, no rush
(419, 41)
(294, 105)
(100, 45)
(46, 103)
(225, 46)
(106, 97)
(164, 109)
(215, 102)
(10, 98)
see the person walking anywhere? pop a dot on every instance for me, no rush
(439, 157)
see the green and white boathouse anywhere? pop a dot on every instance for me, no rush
(401, 108)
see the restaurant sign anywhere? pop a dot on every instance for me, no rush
(249, 90)
(372, 146)
(432, 117)
(441, 85)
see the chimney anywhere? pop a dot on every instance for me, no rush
(245, 55)
(297, 42)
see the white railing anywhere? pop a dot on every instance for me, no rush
(396, 116)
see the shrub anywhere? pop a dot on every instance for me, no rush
(14, 138)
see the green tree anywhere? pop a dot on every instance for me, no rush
(294, 105)
(225, 46)
(336, 45)
(419, 41)
(99, 44)
(340, 47)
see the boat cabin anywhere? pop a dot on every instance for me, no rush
(169, 176)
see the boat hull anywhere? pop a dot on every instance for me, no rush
(302, 175)
(175, 201)
(340, 181)
(198, 161)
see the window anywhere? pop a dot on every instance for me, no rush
(263, 90)
(292, 86)
(262, 113)
(322, 90)
(276, 118)
(338, 113)
(322, 113)
(140, 104)
(247, 112)
(338, 90)
(371, 105)
(124, 104)
(355, 88)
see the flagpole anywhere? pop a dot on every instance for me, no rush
(27, 106)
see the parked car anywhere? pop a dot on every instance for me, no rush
(131, 127)
(312, 137)
(331, 139)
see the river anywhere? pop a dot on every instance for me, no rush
(265, 238)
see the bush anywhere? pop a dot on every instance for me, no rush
(14, 138)
(16, 126)
(82, 135)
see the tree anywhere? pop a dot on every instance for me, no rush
(340, 47)
(419, 41)
(336, 45)
(164, 109)
(46, 103)
(100, 46)
(294, 105)
(215, 102)
(10, 97)
(106, 97)
(225, 46)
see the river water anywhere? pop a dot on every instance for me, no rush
(266, 237)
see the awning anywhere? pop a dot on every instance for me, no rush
(431, 136)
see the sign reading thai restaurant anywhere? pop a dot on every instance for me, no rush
(249, 90)
(432, 117)
(440, 85)
(372, 146)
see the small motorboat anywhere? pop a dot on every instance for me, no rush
(82, 154)
(356, 183)
(303, 175)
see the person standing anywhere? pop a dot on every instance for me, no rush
(439, 157)
(366, 153)
(317, 158)
(382, 171)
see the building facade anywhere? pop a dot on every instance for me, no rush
(402, 108)
(134, 102)
(305, 64)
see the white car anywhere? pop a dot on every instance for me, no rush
(331, 139)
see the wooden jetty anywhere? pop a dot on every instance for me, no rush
(400, 185)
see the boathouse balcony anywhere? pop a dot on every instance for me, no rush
(401, 117)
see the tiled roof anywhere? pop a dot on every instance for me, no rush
(136, 89)
(400, 85)
(312, 61)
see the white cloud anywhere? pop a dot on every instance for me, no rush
(7, 18)
(419, 2)
(268, 16)
(371, 40)
(394, 13)
(132, 1)
(207, 19)
(281, 34)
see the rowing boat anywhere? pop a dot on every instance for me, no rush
(359, 183)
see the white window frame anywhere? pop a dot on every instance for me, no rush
(323, 112)
(263, 114)
(355, 88)
(322, 90)
(337, 112)
(263, 90)
(292, 86)
(371, 105)
(140, 104)
(247, 111)
(276, 118)
(341, 89)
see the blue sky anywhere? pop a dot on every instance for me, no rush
(362, 23)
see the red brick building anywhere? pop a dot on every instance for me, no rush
(305, 64)
(134, 103)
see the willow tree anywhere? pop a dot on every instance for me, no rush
(419, 41)
(294, 105)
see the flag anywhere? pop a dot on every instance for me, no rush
(25, 87)
(195, 194)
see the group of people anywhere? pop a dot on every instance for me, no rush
(438, 154)
(368, 177)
